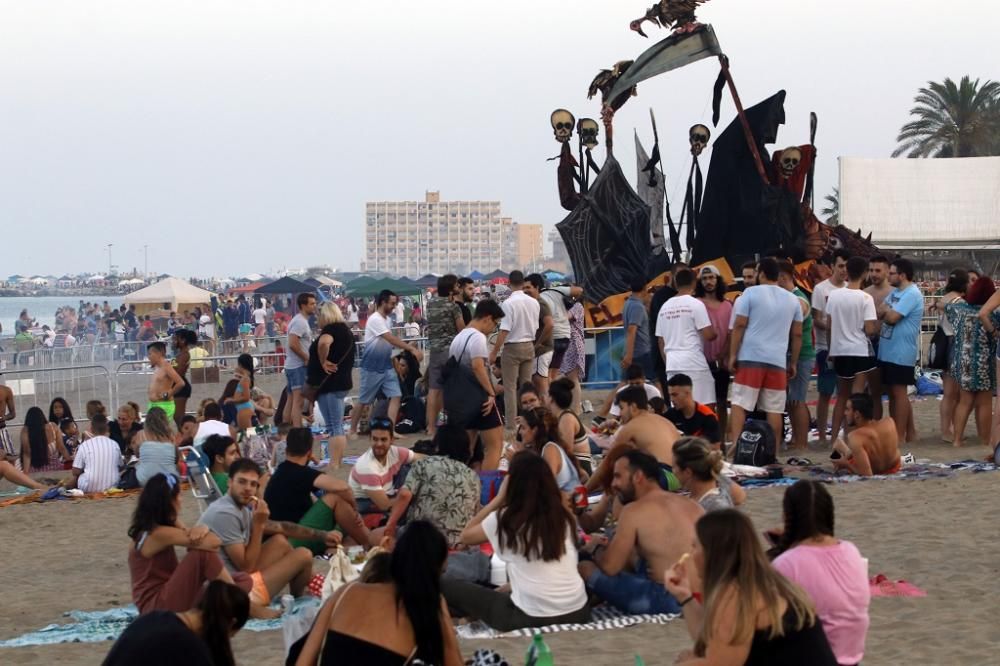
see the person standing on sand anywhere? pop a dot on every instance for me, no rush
(165, 382)
(872, 446)
(297, 358)
(898, 349)
(184, 339)
(879, 290)
(7, 413)
(826, 379)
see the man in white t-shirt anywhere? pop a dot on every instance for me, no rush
(516, 341)
(853, 320)
(297, 358)
(826, 377)
(376, 369)
(96, 466)
(376, 479)
(681, 328)
(260, 321)
(212, 424)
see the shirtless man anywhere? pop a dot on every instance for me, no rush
(7, 413)
(641, 429)
(165, 382)
(656, 525)
(872, 445)
(878, 276)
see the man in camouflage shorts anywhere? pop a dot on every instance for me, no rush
(444, 321)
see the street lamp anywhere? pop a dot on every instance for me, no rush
(109, 257)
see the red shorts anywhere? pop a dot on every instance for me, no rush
(758, 385)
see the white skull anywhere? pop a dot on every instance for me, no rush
(698, 136)
(562, 124)
(588, 129)
(790, 159)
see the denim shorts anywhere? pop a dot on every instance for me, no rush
(296, 378)
(331, 406)
(372, 381)
(632, 594)
(798, 387)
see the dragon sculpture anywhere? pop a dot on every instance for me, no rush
(675, 14)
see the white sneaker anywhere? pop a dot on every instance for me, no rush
(587, 406)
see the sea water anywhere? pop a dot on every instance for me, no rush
(43, 308)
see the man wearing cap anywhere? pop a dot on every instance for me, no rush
(682, 329)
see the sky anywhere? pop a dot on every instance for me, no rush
(233, 137)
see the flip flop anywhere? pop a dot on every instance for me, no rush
(799, 462)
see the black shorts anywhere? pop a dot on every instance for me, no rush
(184, 392)
(559, 348)
(849, 367)
(897, 375)
(489, 422)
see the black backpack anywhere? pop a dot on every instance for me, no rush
(756, 445)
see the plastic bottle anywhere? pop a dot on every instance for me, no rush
(324, 445)
(539, 653)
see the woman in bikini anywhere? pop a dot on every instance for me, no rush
(570, 427)
(241, 397)
(184, 339)
(42, 448)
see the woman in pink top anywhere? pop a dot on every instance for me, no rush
(830, 570)
(711, 290)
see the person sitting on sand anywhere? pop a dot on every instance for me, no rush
(157, 452)
(532, 530)
(42, 447)
(654, 524)
(211, 423)
(221, 451)
(240, 520)
(125, 428)
(96, 466)
(745, 612)
(94, 407)
(691, 418)
(290, 499)
(159, 581)
(872, 446)
(698, 466)
(643, 430)
(413, 626)
(198, 636)
(830, 570)
(376, 479)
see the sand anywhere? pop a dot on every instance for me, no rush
(938, 534)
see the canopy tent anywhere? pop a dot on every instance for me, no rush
(169, 294)
(373, 287)
(286, 285)
(429, 280)
(359, 283)
(475, 275)
(495, 275)
(249, 289)
(324, 281)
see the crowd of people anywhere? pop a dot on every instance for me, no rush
(638, 512)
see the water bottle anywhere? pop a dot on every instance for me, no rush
(324, 445)
(539, 653)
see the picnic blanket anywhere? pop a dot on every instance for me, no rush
(604, 617)
(107, 625)
(39, 496)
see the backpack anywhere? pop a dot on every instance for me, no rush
(756, 445)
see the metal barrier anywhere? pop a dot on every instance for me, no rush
(36, 387)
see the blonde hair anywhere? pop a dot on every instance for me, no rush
(131, 409)
(329, 313)
(157, 426)
(696, 454)
(738, 571)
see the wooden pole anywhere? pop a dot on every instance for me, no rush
(751, 144)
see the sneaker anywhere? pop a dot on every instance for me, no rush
(587, 406)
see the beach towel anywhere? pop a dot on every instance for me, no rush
(604, 617)
(38, 496)
(881, 586)
(108, 625)
(917, 471)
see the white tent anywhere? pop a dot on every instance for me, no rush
(175, 293)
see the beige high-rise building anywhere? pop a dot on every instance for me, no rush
(529, 247)
(413, 238)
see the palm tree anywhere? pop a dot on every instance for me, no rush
(953, 121)
(832, 210)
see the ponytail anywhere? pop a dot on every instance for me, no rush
(416, 566)
(224, 609)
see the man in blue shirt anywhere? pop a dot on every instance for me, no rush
(897, 350)
(635, 320)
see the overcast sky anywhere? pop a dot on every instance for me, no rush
(235, 137)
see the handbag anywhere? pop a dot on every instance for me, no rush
(938, 351)
(341, 572)
(463, 394)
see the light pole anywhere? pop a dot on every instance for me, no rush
(145, 252)
(109, 258)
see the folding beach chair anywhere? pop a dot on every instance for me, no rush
(203, 486)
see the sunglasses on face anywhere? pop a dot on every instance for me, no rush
(380, 424)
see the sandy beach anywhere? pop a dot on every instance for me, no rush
(71, 555)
